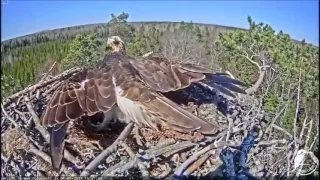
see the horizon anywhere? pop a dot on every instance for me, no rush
(299, 19)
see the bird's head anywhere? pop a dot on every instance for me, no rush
(115, 44)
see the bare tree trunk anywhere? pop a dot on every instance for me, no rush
(257, 84)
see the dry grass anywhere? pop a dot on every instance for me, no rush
(13, 141)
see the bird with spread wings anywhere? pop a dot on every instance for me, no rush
(124, 88)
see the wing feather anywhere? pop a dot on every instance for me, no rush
(146, 106)
(85, 93)
(163, 76)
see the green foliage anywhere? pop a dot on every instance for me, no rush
(241, 49)
(84, 51)
(271, 102)
(118, 26)
(145, 41)
(25, 61)
(9, 85)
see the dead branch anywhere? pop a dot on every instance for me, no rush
(104, 154)
(296, 148)
(148, 54)
(8, 117)
(276, 117)
(306, 146)
(194, 157)
(282, 130)
(36, 120)
(315, 138)
(196, 164)
(151, 153)
(142, 167)
(120, 167)
(46, 74)
(47, 158)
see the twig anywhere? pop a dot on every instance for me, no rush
(46, 157)
(289, 163)
(296, 117)
(142, 167)
(36, 120)
(154, 152)
(120, 167)
(230, 126)
(305, 146)
(21, 114)
(104, 154)
(48, 71)
(8, 117)
(272, 142)
(315, 138)
(282, 130)
(54, 87)
(43, 78)
(275, 118)
(194, 157)
(196, 164)
(224, 133)
(303, 127)
(147, 54)
(165, 143)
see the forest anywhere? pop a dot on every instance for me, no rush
(283, 72)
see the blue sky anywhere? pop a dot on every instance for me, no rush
(297, 18)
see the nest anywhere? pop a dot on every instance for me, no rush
(118, 152)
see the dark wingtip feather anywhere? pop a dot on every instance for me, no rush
(223, 90)
(220, 78)
(233, 88)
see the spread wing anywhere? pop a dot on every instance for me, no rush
(147, 106)
(161, 75)
(85, 93)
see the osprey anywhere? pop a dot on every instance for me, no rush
(127, 89)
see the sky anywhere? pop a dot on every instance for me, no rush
(300, 19)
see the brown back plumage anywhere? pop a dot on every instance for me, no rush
(132, 87)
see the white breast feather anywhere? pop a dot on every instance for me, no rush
(131, 110)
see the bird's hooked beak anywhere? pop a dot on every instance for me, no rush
(115, 44)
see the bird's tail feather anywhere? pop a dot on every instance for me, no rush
(57, 143)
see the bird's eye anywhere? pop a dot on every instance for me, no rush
(108, 48)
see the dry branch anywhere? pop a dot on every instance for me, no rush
(104, 154)
(195, 157)
(148, 54)
(47, 158)
(142, 167)
(120, 167)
